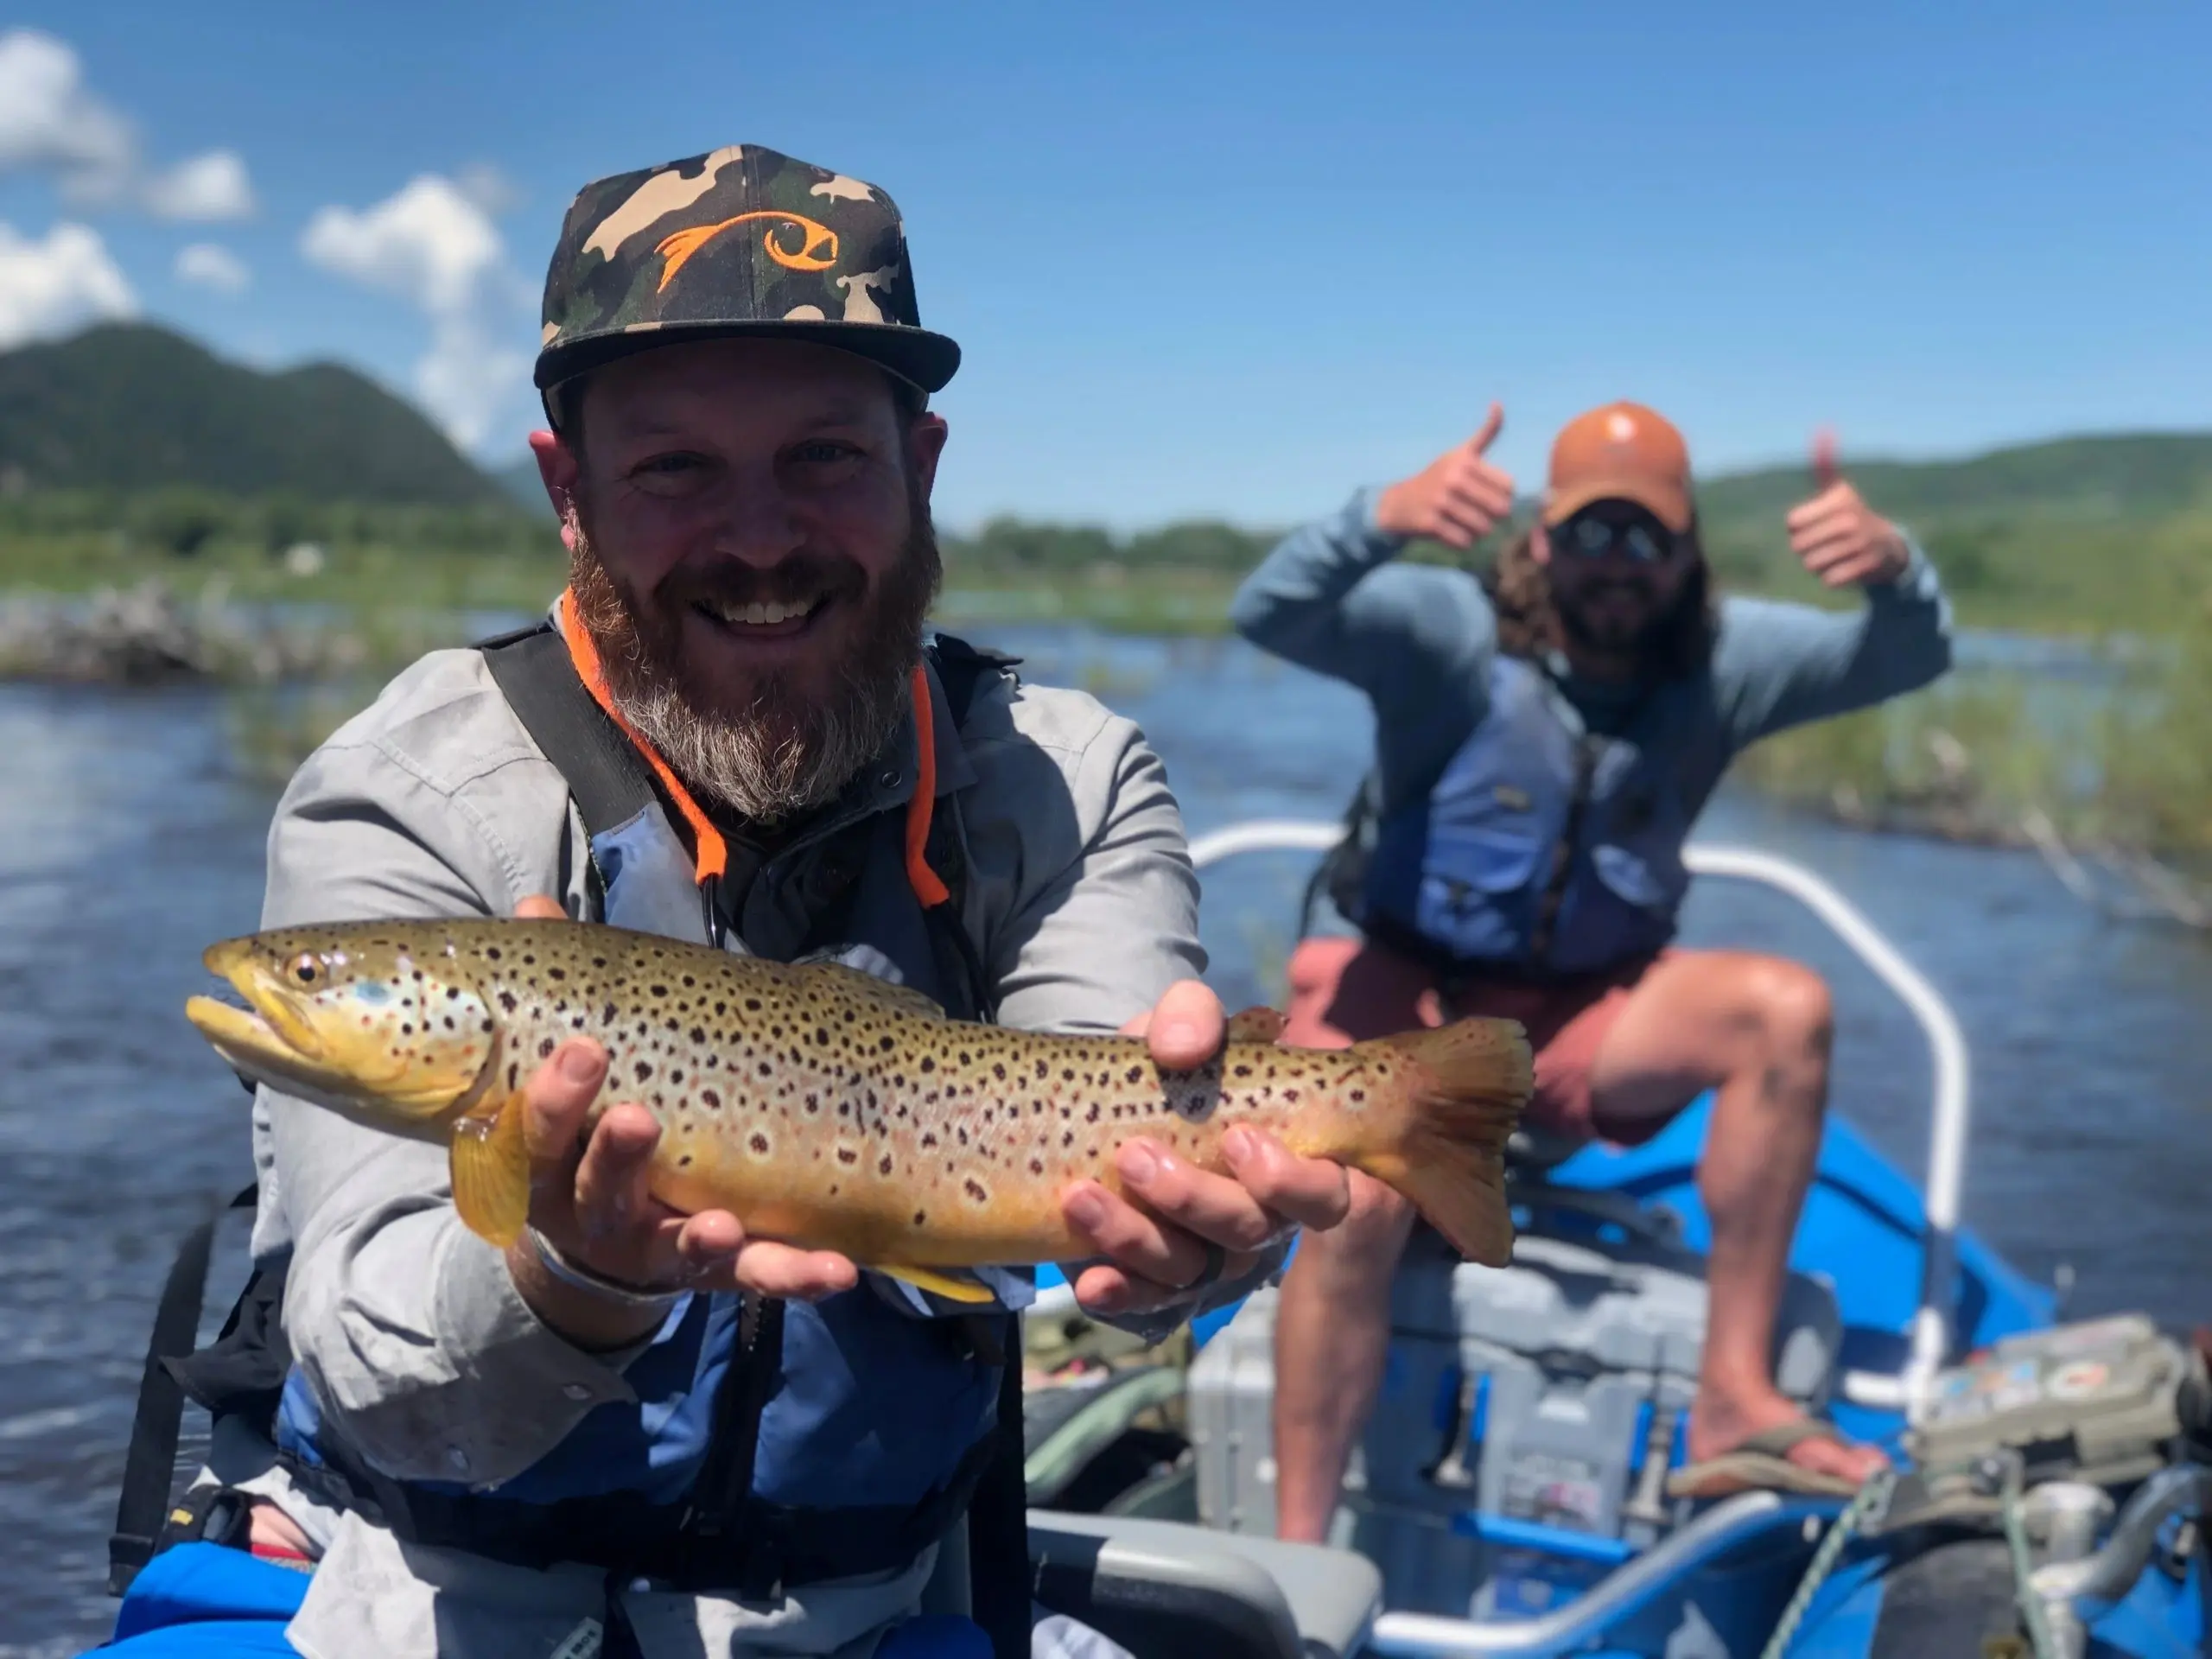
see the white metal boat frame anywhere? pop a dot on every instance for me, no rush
(1950, 1108)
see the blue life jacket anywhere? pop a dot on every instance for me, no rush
(1544, 848)
(872, 1424)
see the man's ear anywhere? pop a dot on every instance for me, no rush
(1540, 543)
(925, 439)
(558, 469)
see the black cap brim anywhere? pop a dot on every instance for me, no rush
(927, 359)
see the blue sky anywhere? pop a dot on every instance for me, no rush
(1203, 259)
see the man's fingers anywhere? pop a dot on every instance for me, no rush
(540, 908)
(1840, 501)
(1492, 495)
(768, 1269)
(1114, 1227)
(1178, 1192)
(1312, 1192)
(610, 1178)
(556, 1096)
(1493, 423)
(1186, 1028)
(1824, 471)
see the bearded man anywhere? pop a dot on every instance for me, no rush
(1547, 735)
(636, 1430)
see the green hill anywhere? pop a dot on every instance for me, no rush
(2072, 534)
(130, 408)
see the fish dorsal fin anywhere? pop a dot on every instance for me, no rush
(865, 987)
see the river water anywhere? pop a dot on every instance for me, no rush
(128, 841)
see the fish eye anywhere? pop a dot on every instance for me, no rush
(306, 968)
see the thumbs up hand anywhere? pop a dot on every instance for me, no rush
(1838, 537)
(1458, 499)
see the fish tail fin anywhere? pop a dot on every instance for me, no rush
(1464, 1086)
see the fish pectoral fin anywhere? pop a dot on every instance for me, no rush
(938, 1284)
(491, 1171)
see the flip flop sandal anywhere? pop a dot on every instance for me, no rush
(1762, 1463)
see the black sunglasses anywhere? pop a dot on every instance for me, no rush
(1645, 541)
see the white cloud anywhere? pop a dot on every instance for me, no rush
(49, 121)
(52, 123)
(52, 286)
(432, 244)
(210, 186)
(209, 264)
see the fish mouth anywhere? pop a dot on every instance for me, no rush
(273, 1041)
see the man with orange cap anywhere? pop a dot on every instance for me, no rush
(1547, 733)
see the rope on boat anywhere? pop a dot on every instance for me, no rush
(1872, 1499)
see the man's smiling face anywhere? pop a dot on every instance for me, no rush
(748, 526)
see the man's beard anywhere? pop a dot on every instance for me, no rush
(1639, 635)
(783, 754)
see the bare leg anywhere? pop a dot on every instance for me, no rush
(1759, 1030)
(1333, 1323)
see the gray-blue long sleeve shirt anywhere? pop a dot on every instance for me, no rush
(1418, 639)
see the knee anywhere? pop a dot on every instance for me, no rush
(1791, 1007)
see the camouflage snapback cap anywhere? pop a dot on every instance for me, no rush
(739, 241)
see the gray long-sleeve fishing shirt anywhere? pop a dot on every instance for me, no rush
(419, 1350)
(1418, 639)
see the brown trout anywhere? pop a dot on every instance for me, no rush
(824, 1106)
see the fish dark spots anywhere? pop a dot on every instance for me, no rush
(689, 981)
(510, 1076)
(998, 1071)
(847, 1155)
(675, 1075)
(929, 1139)
(453, 993)
(767, 1068)
(407, 1030)
(929, 1061)
(976, 1190)
(683, 1162)
(710, 1100)
(1290, 1097)
(1244, 1070)
(822, 1036)
(1068, 1075)
(488, 1028)
(966, 1060)
(844, 1108)
(885, 1045)
(962, 1133)
(759, 1142)
(607, 1014)
(1067, 1139)
(698, 1034)
(599, 962)
(1065, 1113)
(557, 973)
(1044, 1070)
(657, 990)
(833, 1189)
(545, 1048)
(721, 1008)
(1036, 1166)
(1358, 1096)
(883, 1165)
(449, 1022)
(643, 1071)
(1091, 1116)
(752, 1005)
(921, 1218)
(1136, 1074)
(813, 1104)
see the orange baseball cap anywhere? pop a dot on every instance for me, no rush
(1625, 452)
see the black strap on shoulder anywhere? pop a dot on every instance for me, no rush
(149, 1466)
(605, 775)
(998, 1515)
(999, 1580)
